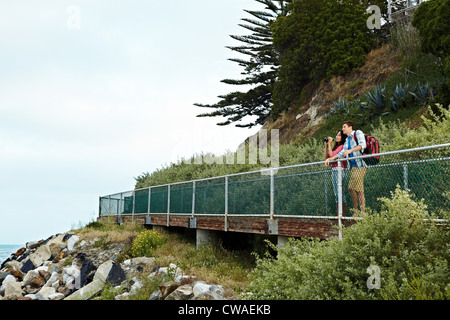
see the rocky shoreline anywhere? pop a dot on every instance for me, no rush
(63, 267)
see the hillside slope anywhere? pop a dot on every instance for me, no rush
(303, 120)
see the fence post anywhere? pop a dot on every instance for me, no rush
(272, 196)
(134, 204)
(405, 176)
(193, 198)
(149, 198)
(340, 198)
(168, 204)
(226, 204)
(326, 191)
(121, 206)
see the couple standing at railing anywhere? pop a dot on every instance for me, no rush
(349, 143)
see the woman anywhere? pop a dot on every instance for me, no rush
(330, 152)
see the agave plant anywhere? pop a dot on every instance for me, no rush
(395, 106)
(421, 92)
(400, 92)
(342, 106)
(376, 97)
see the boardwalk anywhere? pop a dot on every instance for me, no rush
(292, 201)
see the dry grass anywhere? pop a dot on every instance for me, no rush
(300, 124)
(110, 232)
(212, 264)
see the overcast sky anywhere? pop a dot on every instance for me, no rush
(84, 111)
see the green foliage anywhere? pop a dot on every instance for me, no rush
(259, 70)
(398, 136)
(421, 92)
(145, 243)
(341, 108)
(191, 169)
(431, 20)
(410, 249)
(392, 135)
(376, 98)
(319, 39)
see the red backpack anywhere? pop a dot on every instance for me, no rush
(372, 147)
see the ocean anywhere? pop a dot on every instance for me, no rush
(7, 249)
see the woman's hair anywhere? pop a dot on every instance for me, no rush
(343, 137)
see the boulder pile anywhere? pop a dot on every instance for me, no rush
(63, 267)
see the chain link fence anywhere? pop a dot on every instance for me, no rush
(300, 190)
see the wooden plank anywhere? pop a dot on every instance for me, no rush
(318, 228)
(285, 226)
(210, 223)
(247, 224)
(159, 220)
(178, 221)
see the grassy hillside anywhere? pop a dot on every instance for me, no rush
(302, 129)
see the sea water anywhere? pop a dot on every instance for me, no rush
(7, 249)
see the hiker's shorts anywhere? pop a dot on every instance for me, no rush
(357, 179)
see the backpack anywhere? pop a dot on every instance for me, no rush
(372, 147)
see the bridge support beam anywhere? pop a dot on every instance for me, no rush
(282, 241)
(205, 237)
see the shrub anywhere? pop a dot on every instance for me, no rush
(411, 252)
(145, 243)
(397, 136)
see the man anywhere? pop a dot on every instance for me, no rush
(354, 146)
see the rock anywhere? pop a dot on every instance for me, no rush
(110, 272)
(41, 255)
(20, 252)
(56, 296)
(87, 269)
(33, 244)
(45, 292)
(60, 256)
(72, 242)
(167, 288)
(156, 295)
(3, 275)
(17, 273)
(143, 261)
(136, 286)
(67, 237)
(9, 278)
(200, 288)
(209, 295)
(122, 296)
(27, 266)
(203, 291)
(56, 247)
(217, 289)
(13, 264)
(36, 281)
(184, 279)
(87, 291)
(13, 290)
(184, 292)
(71, 277)
(53, 278)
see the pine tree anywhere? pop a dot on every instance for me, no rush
(259, 70)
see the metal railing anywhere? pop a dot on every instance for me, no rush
(303, 190)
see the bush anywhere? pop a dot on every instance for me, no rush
(397, 136)
(145, 243)
(402, 240)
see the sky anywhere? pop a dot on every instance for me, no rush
(94, 93)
